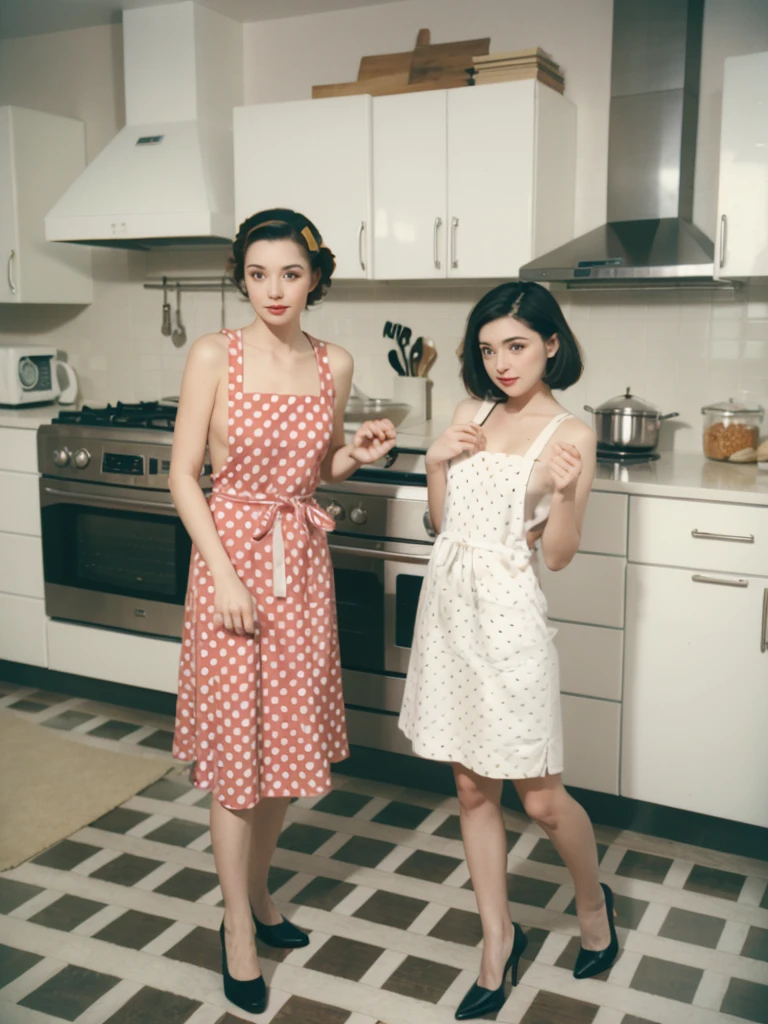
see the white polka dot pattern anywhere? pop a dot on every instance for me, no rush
(482, 686)
(264, 717)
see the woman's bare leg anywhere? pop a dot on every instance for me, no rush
(567, 824)
(485, 845)
(231, 837)
(268, 818)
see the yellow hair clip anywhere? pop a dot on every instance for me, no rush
(310, 239)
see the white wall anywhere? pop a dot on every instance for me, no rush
(677, 351)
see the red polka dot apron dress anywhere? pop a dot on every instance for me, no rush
(263, 716)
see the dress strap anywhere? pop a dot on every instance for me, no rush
(235, 364)
(541, 441)
(484, 412)
(327, 385)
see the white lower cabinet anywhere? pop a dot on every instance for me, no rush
(106, 654)
(590, 660)
(696, 692)
(591, 736)
(589, 590)
(22, 630)
(19, 503)
(21, 565)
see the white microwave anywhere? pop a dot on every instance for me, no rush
(31, 374)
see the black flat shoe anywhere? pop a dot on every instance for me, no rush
(282, 936)
(479, 1001)
(250, 996)
(590, 962)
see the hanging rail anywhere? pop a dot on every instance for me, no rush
(207, 283)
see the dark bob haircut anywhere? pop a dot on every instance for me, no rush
(273, 225)
(538, 309)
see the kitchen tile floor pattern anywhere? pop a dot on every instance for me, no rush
(117, 924)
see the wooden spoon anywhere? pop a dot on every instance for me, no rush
(428, 357)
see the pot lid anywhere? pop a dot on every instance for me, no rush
(628, 404)
(734, 408)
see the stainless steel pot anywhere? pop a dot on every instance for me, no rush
(627, 423)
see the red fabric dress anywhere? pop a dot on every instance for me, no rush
(263, 716)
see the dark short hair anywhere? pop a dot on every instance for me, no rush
(538, 309)
(273, 225)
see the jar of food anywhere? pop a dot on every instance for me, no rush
(731, 427)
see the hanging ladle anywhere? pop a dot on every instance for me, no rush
(165, 327)
(179, 335)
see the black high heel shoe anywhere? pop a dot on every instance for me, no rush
(248, 995)
(281, 936)
(590, 962)
(479, 1001)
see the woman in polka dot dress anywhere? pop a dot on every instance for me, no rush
(482, 689)
(260, 709)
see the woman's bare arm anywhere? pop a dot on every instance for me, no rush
(562, 533)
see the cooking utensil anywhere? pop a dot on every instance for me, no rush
(179, 335)
(417, 350)
(165, 327)
(627, 423)
(429, 355)
(394, 362)
(403, 340)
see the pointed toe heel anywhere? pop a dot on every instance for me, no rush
(479, 1001)
(281, 936)
(590, 962)
(250, 995)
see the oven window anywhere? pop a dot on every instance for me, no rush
(360, 610)
(407, 591)
(133, 554)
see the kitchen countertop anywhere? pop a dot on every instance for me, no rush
(29, 417)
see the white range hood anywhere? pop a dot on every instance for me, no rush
(167, 178)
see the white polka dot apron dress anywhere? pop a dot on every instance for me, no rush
(263, 716)
(482, 687)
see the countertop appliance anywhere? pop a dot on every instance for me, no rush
(29, 375)
(115, 552)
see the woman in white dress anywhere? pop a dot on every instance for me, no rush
(482, 689)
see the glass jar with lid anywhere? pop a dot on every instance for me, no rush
(731, 427)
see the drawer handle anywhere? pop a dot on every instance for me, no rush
(701, 535)
(764, 632)
(720, 582)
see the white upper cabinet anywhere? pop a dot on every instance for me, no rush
(410, 198)
(40, 157)
(471, 183)
(741, 249)
(320, 166)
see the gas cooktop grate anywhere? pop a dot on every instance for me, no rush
(142, 415)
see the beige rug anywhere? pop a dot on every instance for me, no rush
(51, 785)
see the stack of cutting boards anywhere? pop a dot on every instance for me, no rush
(428, 66)
(515, 66)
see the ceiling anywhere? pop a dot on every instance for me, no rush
(36, 17)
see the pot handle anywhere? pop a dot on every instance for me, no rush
(669, 416)
(588, 408)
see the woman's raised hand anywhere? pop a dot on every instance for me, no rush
(373, 440)
(234, 606)
(565, 466)
(461, 437)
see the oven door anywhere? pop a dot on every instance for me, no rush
(377, 594)
(114, 557)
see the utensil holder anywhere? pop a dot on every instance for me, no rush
(416, 392)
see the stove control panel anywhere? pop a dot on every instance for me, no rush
(122, 464)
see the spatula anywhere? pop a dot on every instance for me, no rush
(415, 355)
(394, 362)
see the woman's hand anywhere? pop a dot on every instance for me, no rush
(461, 437)
(373, 440)
(565, 466)
(234, 606)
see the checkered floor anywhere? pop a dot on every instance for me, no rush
(117, 924)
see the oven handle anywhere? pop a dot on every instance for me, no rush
(115, 503)
(383, 556)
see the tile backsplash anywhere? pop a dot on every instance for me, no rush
(676, 349)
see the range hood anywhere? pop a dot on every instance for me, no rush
(166, 180)
(655, 71)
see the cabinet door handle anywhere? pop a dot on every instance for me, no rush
(454, 257)
(702, 535)
(360, 253)
(764, 631)
(438, 225)
(719, 581)
(723, 235)
(11, 282)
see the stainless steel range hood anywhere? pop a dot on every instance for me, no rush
(655, 71)
(167, 178)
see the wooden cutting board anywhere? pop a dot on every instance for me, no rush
(383, 64)
(383, 85)
(446, 61)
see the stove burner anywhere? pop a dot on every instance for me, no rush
(141, 415)
(626, 457)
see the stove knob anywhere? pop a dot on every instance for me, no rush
(359, 516)
(431, 531)
(335, 511)
(82, 458)
(60, 456)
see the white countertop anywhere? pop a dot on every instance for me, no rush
(29, 417)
